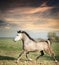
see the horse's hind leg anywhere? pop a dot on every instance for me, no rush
(42, 53)
(27, 56)
(51, 53)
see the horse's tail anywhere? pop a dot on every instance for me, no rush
(48, 41)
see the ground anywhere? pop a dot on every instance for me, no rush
(9, 51)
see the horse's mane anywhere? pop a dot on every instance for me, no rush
(26, 34)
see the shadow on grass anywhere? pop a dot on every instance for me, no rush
(12, 58)
(57, 57)
(51, 58)
(7, 58)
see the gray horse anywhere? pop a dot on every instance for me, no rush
(30, 45)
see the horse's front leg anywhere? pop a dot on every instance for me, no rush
(19, 57)
(27, 56)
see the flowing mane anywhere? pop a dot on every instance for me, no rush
(26, 34)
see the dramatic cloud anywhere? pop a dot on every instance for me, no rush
(35, 23)
(30, 15)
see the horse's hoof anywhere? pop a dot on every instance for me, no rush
(56, 61)
(16, 61)
(30, 59)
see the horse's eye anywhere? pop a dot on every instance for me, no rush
(17, 35)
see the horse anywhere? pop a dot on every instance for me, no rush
(30, 45)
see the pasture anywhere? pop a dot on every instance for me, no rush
(9, 51)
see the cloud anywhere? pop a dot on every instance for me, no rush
(9, 4)
(35, 23)
(32, 18)
(30, 10)
(48, 26)
(7, 27)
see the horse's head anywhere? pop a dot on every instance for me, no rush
(19, 36)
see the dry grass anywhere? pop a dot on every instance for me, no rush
(12, 62)
(10, 50)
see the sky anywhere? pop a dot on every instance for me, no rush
(37, 17)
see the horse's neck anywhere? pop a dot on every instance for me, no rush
(26, 39)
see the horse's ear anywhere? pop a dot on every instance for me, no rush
(19, 31)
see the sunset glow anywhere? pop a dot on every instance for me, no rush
(30, 16)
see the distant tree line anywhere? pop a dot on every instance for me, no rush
(53, 37)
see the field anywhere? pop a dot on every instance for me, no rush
(9, 51)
